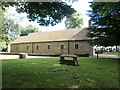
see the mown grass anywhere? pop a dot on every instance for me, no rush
(112, 53)
(48, 73)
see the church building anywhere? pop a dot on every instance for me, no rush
(69, 41)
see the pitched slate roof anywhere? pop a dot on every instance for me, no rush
(61, 35)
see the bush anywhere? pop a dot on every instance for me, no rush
(98, 51)
(4, 50)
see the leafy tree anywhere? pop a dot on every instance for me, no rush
(98, 52)
(74, 21)
(8, 29)
(28, 29)
(45, 13)
(105, 17)
(2, 43)
(11, 29)
(1, 22)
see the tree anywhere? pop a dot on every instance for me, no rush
(2, 43)
(12, 30)
(28, 29)
(74, 21)
(8, 29)
(105, 29)
(1, 22)
(45, 13)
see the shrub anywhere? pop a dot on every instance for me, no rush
(98, 51)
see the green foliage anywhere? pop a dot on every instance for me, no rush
(3, 5)
(2, 42)
(28, 29)
(45, 13)
(98, 51)
(2, 45)
(11, 28)
(1, 23)
(74, 21)
(105, 23)
(112, 53)
(8, 29)
(9, 32)
(32, 73)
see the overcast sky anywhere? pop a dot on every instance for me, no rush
(81, 6)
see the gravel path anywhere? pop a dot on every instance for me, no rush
(17, 56)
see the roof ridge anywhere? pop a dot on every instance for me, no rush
(58, 35)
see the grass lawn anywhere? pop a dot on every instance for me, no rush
(112, 53)
(48, 73)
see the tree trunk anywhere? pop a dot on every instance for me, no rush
(116, 49)
(97, 55)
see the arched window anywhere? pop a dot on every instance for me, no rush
(76, 46)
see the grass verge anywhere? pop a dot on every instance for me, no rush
(112, 53)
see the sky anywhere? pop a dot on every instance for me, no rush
(81, 6)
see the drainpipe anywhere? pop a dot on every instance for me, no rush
(32, 48)
(68, 47)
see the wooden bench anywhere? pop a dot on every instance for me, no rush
(74, 61)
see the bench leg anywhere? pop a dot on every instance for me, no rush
(62, 58)
(74, 58)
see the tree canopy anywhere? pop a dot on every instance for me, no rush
(105, 18)
(74, 21)
(2, 43)
(1, 23)
(45, 13)
(8, 29)
(28, 29)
